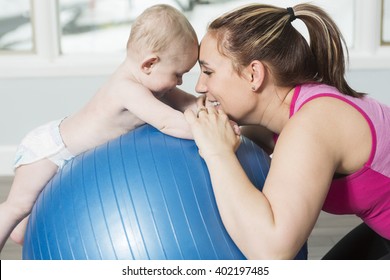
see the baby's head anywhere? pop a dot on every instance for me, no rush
(164, 42)
(159, 28)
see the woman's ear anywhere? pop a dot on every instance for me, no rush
(256, 70)
(148, 63)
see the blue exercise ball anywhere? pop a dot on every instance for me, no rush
(144, 195)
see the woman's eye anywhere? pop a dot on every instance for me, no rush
(208, 73)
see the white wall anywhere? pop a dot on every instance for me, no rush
(28, 102)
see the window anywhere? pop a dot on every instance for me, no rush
(385, 28)
(16, 26)
(95, 26)
(88, 37)
(102, 26)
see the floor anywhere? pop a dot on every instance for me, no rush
(328, 230)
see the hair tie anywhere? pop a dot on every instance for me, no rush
(292, 14)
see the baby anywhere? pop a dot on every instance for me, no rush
(162, 47)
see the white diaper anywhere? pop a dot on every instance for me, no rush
(43, 142)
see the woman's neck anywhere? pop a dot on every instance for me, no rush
(275, 107)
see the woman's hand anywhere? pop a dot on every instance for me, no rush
(213, 132)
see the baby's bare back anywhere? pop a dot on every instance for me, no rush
(103, 118)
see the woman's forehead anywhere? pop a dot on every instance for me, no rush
(208, 46)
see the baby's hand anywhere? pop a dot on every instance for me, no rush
(235, 127)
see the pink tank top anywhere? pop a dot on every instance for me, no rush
(366, 192)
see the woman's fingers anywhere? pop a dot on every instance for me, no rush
(213, 132)
(200, 102)
(200, 110)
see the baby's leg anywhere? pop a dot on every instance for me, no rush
(29, 181)
(17, 235)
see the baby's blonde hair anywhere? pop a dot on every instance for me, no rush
(158, 27)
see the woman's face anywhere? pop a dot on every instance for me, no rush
(221, 84)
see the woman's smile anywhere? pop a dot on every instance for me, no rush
(214, 103)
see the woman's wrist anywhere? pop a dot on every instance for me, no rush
(218, 157)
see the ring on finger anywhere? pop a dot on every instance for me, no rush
(201, 109)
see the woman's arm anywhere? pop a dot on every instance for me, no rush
(275, 223)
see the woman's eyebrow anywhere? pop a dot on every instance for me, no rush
(203, 63)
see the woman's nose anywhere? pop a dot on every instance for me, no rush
(200, 86)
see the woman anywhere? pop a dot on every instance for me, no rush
(330, 144)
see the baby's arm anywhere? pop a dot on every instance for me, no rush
(143, 104)
(260, 135)
(180, 100)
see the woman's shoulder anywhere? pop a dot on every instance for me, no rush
(313, 90)
(308, 92)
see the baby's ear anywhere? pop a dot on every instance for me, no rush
(148, 63)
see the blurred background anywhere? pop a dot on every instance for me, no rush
(55, 54)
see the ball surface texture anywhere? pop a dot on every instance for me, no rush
(144, 195)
